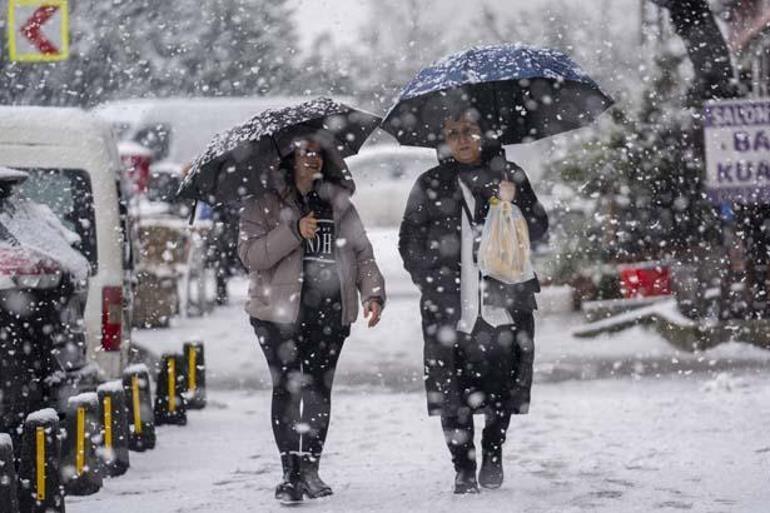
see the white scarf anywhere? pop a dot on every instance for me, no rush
(471, 284)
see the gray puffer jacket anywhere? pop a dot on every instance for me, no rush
(271, 248)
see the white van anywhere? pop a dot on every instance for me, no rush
(71, 157)
(177, 129)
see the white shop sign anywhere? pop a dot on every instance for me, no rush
(737, 137)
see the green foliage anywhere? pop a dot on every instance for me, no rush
(645, 173)
(129, 48)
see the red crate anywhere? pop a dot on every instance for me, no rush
(645, 279)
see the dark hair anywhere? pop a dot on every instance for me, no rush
(456, 111)
(334, 169)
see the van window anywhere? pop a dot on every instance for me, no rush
(125, 227)
(163, 186)
(155, 138)
(68, 193)
(120, 129)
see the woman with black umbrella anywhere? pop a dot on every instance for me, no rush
(309, 258)
(479, 334)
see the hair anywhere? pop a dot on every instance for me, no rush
(490, 147)
(333, 170)
(456, 111)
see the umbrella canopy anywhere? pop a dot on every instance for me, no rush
(238, 162)
(522, 94)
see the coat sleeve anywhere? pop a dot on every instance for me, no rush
(531, 208)
(260, 247)
(369, 279)
(413, 235)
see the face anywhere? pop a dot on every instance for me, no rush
(308, 160)
(463, 137)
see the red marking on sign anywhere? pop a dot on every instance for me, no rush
(31, 30)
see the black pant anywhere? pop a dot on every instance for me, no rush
(302, 360)
(459, 432)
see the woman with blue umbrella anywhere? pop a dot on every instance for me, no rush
(479, 332)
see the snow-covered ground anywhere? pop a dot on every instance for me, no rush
(620, 423)
(632, 445)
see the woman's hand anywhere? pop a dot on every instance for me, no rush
(308, 226)
(373, 307)
(507, 191)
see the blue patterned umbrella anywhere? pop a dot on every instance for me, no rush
(237, 162)
(522, 93)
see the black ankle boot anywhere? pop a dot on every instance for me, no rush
(464, 461)
(491, 473)
(315, 488)
(465, 481)
(290, 490)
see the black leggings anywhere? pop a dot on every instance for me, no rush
(459, 431)
(302, 361)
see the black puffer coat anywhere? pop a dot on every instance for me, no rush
(430, 245)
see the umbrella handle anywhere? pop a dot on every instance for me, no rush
(192, 212)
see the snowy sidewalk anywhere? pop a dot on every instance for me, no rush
(390, 355)
(669, 431)
(632, 445)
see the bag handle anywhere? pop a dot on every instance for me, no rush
(467, 210)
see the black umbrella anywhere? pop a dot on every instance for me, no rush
(238, 162)
(522, 93)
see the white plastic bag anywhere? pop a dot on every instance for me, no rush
(504, 250)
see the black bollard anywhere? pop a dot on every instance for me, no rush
(114, 416)
(40, 489)
(141, 422)
(195, 375)
(81, 469)
(170, 404)
(8, 484)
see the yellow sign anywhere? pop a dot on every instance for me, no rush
(192, 370)
(171, 385)
(40, 463)
(137, 405)
(108, 422)
(38, 30)
(80, 454)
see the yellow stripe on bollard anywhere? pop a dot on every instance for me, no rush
(137, 405)
(191, 383)
(108, 422)
(40, 463)
(80, 455)
(171, 385)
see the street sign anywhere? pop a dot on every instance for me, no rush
(737, 136)
(38, 30)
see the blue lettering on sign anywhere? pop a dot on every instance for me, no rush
(743, 171)
(723, 172)
(763, 171)
(738, 114)
(761, 141)
(742, 142)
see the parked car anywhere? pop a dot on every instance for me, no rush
(73, 166)
(387, 171)
(43, 289)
